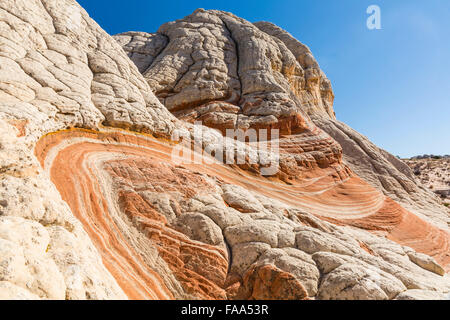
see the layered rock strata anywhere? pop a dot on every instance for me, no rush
(434, 173)
(214, 67)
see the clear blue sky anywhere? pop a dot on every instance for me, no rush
(392, 85)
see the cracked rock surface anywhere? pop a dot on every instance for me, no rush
(214, 67)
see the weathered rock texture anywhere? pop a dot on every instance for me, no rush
(219, 69)
(58, 70)
(94, 203)
(215, 67)
(386, 173)
(434, 174)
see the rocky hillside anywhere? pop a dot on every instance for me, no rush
(433, 173)
(96, 202)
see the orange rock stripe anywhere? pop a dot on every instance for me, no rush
(351, 201)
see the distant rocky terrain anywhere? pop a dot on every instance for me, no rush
(434, 173)
(429, 156)
(96, 202)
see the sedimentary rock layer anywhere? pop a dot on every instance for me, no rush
(58, 69)
(114, 184)
(214, 67)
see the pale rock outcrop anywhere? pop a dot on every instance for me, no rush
(433, 172)
(142, 47)
(236, 197)
(31, 209)
(373, 164)
(424, 261)
(385, 172)
(9, 291)
(359, 282)
(208, 71)
(59, 70)
(219, 251)
(421, 295)
(295, 262)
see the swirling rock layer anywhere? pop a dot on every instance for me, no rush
(214, 67)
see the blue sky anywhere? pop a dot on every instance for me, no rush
(392, 85)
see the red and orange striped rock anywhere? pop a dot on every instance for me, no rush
(98, 173)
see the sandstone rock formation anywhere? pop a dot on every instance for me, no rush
(95, 204)
(434, 174)
(221, 70)
(387, 173)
